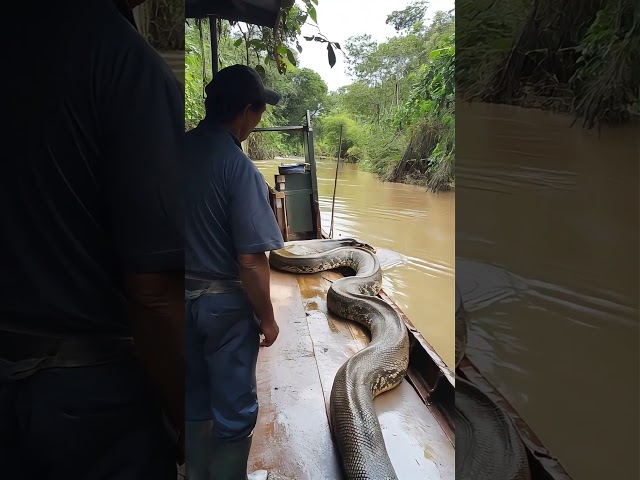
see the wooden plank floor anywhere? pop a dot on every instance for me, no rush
(293, 439)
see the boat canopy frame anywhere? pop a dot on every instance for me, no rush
(264, 13)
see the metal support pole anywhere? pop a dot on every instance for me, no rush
(311, 155)
(213, 29)
(307, 136)
(335, 184)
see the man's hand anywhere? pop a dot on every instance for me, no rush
(270, 331)
(254, 274)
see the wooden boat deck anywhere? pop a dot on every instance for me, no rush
(293, 438)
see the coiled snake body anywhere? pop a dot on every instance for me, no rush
(377, 368)
(488, 446)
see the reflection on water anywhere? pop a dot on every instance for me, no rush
(413, 232)
(552, 294)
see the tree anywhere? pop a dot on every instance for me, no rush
(430, 110)
(574, 57)
(360, 48)
(382, 70)
(401, 100)
(405, 19)
(280, 44)
(307, 91)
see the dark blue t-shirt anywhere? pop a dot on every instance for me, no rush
(227, 205)
(91, 186)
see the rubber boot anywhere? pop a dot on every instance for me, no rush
(258, 475)
(198, 441)
(229, 461)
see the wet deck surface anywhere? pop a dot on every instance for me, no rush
(292, 438)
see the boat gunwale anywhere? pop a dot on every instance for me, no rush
(428, 385)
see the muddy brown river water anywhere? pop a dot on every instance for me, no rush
(547, 240)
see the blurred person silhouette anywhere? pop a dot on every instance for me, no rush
(92, 252)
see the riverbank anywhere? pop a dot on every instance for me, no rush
(512, 53)
(386, 170)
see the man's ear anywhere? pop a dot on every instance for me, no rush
(246, 111)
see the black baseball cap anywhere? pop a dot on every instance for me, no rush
(242, 84)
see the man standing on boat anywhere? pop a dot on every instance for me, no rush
(229, 228)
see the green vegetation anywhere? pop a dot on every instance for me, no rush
(160, 21)
(399, 112)
(578, 57)
(397, 116)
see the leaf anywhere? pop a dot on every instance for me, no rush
(299, 47)
(260, 70)
(315, 1)
(319, 39)
(282, 49)
(238, 42)
(257, 44)
(291, 57)
(313, 14)
(308, 39)
(332, 55)
(337, 45)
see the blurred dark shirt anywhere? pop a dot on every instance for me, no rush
(91, 185)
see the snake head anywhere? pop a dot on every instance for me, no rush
(364, 246)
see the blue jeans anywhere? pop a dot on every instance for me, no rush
(222, 339)
(85, 423)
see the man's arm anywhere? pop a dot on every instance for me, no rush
(157, 326)
(254, 274)
(255, 231)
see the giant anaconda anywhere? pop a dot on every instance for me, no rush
(488, 446)
(377, 368)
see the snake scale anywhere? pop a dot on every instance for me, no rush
(377, 368)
